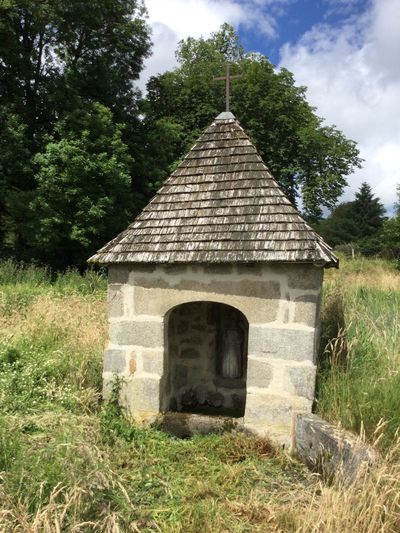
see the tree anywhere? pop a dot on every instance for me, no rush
(57, 56)
(391, 232)
(54, 52)
(339, 227)
(15, 165)
(308, 159)
(368, 212)
(83, 193)
(359, 222)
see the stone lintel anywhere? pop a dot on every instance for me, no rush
(158, 301)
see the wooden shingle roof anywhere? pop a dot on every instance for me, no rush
(220, 205)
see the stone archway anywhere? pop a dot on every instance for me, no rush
(205, 359)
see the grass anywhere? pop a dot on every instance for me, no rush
(359, 374)
(68, 462)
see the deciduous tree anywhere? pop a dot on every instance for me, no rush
(309, 159)
(83, 196)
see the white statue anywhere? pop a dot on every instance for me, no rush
(231, 347)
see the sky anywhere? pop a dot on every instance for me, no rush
(346, 52)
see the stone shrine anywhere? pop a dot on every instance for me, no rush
(214, 293)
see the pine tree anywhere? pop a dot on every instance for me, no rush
(368, 212)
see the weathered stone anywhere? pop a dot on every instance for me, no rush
(115, 300)
(142, 394)
(149, 334)
(139, 268)
(214, 399)
(281, 343)
(272, 409)
(108, 382)
(220, 269)
(197, 341)
(254, 269)
(303, 380)
(306, 310)
(184, 425)
(175, 269)
(180, 377)
(279, 435)
(153, 361)
(238, 402)
(157, 302)
(244, 287)
(151, 283)
(190, 353)
(329, 450)
(198, 327)
(304, 276)
(114, 361)
(189, 399)
(172, 350)
(118, 273)
(259, 373)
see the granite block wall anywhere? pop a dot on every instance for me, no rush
(280, 302)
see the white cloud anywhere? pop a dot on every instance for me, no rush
(353, 78)
(352, 72)
(173, 20)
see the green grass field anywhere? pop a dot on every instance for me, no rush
(69, 462)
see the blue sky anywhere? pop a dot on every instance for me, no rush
(293, 19)
(347, 52)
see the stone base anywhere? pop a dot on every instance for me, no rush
(184, 425)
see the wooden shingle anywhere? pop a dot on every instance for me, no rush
(220, 205)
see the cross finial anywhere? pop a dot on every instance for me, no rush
(228, 78)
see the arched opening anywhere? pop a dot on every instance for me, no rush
(205, 360)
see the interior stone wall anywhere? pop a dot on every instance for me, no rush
(193, 372)
(280, 302)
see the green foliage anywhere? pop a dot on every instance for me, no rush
(15, 169)
(391, 237)
(368, 212)
(83, 188)
(307, 158)
(358, 223)
(32, 279)
(54, 52)
(391, 232)
(58, 59)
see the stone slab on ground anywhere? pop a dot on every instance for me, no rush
(328, 449)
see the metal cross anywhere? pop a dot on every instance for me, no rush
(228, 78)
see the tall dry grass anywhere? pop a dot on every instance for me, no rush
(369, 504)
(359, 365)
